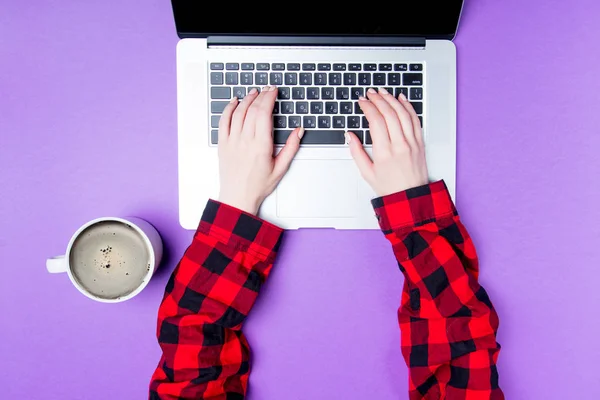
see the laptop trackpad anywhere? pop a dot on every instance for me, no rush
(318, 189)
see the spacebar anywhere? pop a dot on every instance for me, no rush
(312, 136)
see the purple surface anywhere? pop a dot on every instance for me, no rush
(88, 128)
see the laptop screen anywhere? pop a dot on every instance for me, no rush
(432, 19)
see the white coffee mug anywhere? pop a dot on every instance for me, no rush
(149, 238)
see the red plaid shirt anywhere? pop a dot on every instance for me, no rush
(448, 324)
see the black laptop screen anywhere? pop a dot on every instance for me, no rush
(431, 19)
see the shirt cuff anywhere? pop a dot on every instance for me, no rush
(414, 207)
(241, 230)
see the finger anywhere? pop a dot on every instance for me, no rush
(264, 115)
(239, 116)
(416, 123)
(377, 124)
(287, 154)
(360, 156)
(403, 116)
(389, 115)
(249, 121)
(225, 121)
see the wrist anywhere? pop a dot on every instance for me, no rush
(246, 205)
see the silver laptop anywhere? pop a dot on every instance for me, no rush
(321, 64)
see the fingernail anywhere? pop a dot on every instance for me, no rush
(300, 133)
(272, 88)
(266, 89)
(361, 98)
(403, 97)
(383, 91)
(348, 138)
(253, 91)
(371, 90)
(234, 100)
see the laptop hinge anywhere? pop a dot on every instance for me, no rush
(350, 41)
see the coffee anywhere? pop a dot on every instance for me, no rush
(110, 259)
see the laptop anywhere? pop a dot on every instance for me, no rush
(321, 62)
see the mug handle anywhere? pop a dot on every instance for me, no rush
(56, 265)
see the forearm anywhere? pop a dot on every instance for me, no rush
(210, 293)
(447, 322)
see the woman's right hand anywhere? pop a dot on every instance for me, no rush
(398, 150)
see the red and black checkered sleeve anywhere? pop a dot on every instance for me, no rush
(447, 322)
(210, 293)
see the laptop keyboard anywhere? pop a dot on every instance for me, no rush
(321, 97)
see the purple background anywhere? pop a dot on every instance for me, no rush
(88, 128)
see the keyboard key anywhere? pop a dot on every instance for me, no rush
(309, 122)
(302, 107)
(394, 79)
(283, 93)
(365, 122)
(357, 92)
(232, 66)
(262, 78)
(324, 67)
(368, 139)
(339, 67)
(402, 90)
(298, 93)
(276, 78)
(316, 107)
(339, 122)
(287, 107)
(412, 79)
(214, 121)
(280, 122)
(278, 66)
(254, 87)
(293, 67)
(353, 122)
(331, 107)
(390, 90)
(346, 107)
(355, 67)
(357, 109)
(263, 66)
(416, 93)
(247, 78)
(364, 79)
(359, 134)
(379, 79)
(308, 67)
(239, 92)
(324, 122)
(294, 122)
(291, 78)
(349, 79)
(418, 106)
(222, 92)
(342, 93)
(216, 66)
(312, 93)
(313, 136)
(385, 67)
(276, 108)
(327, 93)
(214, 136)
(421, 120)
(217, 107)
(416, 67)
(231, 78)
(320, 78)
(335, 79)
(305, 78)
(216, 78)
(400, 67)
(370, 67)
(247, 66)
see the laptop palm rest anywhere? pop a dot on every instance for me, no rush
(318, 189)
